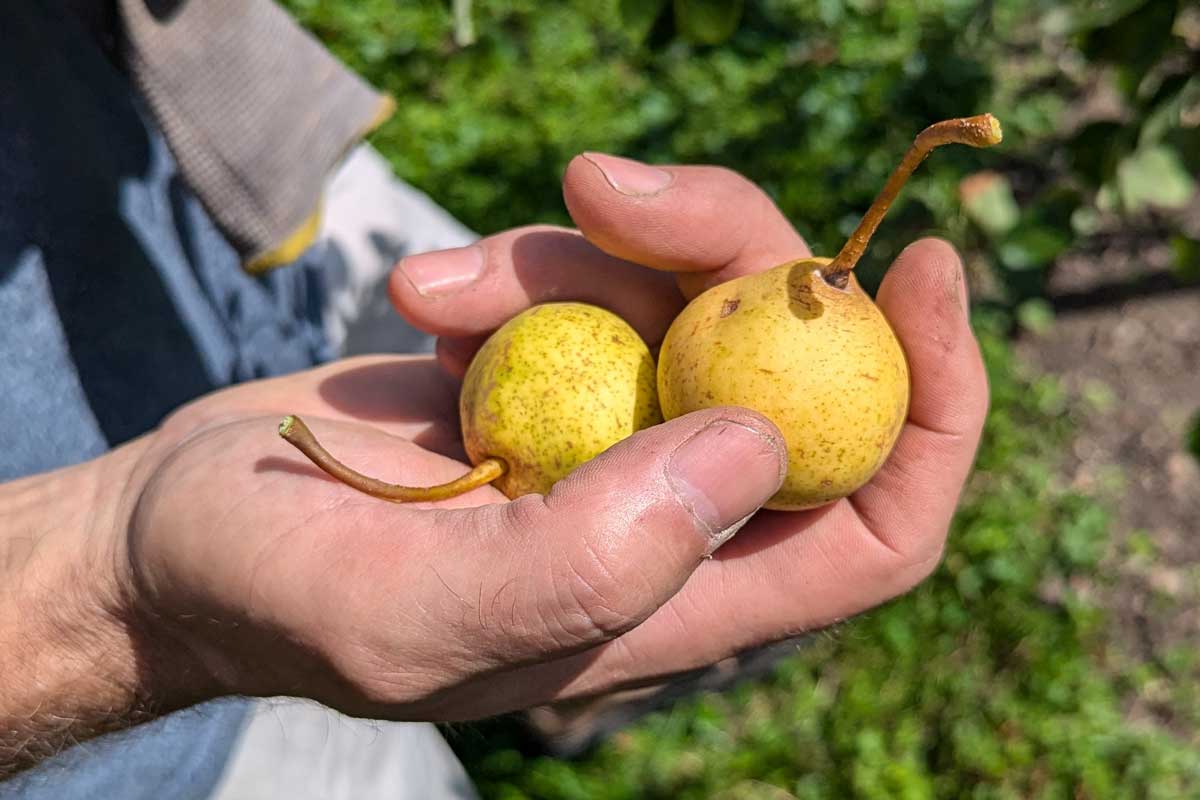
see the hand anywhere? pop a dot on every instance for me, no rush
(249, 571)
(241, 568)
(784, 573)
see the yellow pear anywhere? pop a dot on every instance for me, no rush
(818, 361)
(554, 387)
(805, 346)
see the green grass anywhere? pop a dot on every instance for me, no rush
(995, 679)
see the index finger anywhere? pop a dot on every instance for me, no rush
(683, 219)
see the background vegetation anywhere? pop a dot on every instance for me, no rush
(813, 100)
(999, 678)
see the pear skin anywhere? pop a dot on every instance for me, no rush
(820, 362)
(554, 387)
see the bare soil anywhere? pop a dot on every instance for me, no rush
(1126, 344)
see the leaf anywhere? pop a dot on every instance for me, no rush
(1107, 200)
(1036, 316)
(1032, 247)
(1054, 207)
(1185, 258)
(1154, 176)
(1068, 19)
(1096, 149)
(707, 21)
(1193, 437)
(1134, 42)
(638, 17)
(1179, 92)
(1086, 221)
(988, 200)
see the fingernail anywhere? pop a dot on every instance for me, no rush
(723, 474)
(444, 271)
(630, 177)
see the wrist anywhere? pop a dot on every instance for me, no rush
(79, 654)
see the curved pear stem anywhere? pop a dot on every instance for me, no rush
(297, 434)
(979, 131)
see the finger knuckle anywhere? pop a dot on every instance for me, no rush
(565, 599)
(584, 593)
(926, 557)
(590, 603)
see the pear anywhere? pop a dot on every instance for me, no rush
(552, 388)
(820, 362)
(805, 346)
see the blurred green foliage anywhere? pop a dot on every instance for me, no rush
(1193, 437)
(996, 678)
(815, 101)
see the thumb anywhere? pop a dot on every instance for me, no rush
(620, 535)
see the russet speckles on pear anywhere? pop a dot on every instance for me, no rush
(820, 362)
(553, 388)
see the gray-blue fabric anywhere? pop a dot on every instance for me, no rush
(119, 301)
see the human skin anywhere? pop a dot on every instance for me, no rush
(208, 558)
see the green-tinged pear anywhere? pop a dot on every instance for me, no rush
(554, 387)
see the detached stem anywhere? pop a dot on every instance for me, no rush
(979, 131)
(297, 434)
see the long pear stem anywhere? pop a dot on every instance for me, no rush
(979, 131)
(297, 434)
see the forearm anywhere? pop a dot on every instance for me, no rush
(72, 661)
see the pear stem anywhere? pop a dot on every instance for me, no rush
(979, 131)
(297, 434)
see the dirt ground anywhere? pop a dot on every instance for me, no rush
(1126, 343)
